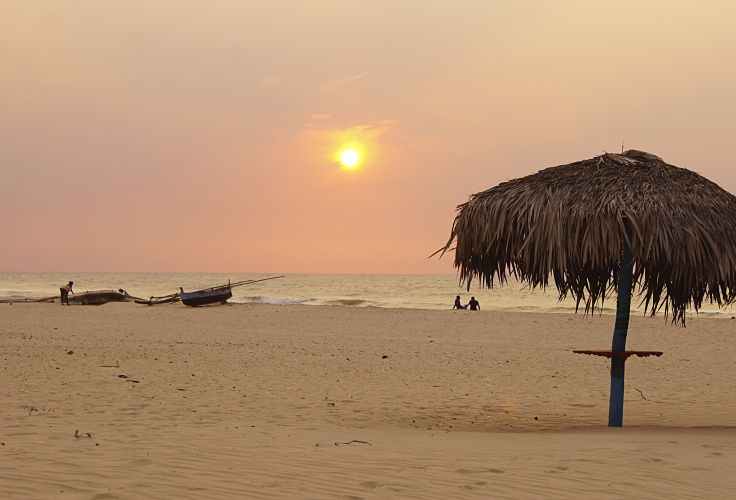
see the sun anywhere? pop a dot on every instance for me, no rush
(350, 155)
(349, 158)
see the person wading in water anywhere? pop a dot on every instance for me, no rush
(65, 292)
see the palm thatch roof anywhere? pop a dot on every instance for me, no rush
(569, 222)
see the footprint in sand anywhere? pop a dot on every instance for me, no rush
(479, 471)
(475, 485)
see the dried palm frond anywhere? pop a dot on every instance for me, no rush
(569, 222)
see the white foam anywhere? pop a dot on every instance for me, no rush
(258, 299)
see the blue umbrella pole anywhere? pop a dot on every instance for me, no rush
(623, 308)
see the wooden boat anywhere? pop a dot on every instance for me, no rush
(212, 295)
(207, 296)
(88, 298)
(99, 297)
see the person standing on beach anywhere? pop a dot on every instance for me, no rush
(65, 292)
(474, 304)
(458, 304)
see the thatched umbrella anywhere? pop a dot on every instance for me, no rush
(613, 223)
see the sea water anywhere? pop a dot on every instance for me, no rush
(349, 290)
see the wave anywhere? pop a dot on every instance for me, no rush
(264, 299)
(260, 299)
(347, 302)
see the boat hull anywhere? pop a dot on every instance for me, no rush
(98, 297)
(203, 298)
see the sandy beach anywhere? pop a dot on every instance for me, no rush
(259, 401)
(326, 179)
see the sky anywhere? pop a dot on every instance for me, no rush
(200, 136)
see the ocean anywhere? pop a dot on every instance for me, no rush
(349, 290)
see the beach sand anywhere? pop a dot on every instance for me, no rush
(261, 401)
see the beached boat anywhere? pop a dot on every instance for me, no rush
(212, 295)
(88, 298)
(99, 297)
(207, 296)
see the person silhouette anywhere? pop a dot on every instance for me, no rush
(474, 304)
(64, 291)
(458, 304)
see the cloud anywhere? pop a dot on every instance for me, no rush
(365, 132)
(340, 82)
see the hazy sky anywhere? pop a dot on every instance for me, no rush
(200, 135)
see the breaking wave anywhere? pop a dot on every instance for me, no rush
(259, 299)
(347, 302)
(263, 299)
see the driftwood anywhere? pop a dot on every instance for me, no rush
(164, 299)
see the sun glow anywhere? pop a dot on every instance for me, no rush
(350, 155)
(349, 158)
